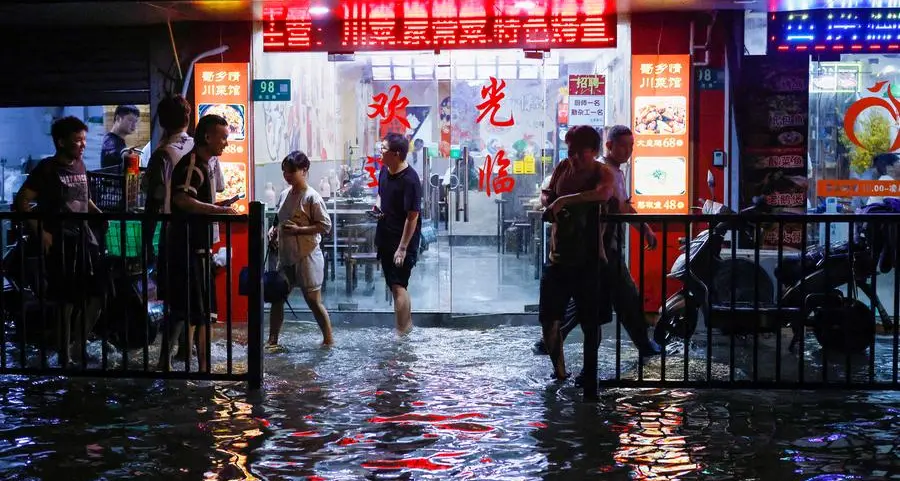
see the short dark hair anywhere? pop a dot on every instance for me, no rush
(295, 161)
(882, 161)
(581, 137)
(65, 127)
(618, 131)
(174, 113)
(207, 124)
(124, 110)
(397, 143)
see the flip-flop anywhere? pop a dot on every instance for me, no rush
(275, 348)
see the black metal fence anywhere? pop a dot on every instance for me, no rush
(752, 300)
(85, 297)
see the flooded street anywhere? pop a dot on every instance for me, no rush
(441, 404)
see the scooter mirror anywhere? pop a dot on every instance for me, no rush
(711, 182)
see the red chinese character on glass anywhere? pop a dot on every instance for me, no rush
(372, 165)
(390, 109)
(502, 182)
(492, 95)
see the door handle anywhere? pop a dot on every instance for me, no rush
(465, 186)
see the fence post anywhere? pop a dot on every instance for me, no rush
(256, 245)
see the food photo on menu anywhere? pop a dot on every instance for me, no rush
(660, 115)
(234, 114)
(235, 174)
(660, 176)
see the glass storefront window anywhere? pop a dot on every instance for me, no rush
(857, 86)
(488, 250)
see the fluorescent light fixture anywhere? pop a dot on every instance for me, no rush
(318, 10)
(524, 5)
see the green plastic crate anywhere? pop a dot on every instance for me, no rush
(132, 238)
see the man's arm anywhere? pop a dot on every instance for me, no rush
(22, 203)
(191, 205)
(601, 193)
(412, 203)
(92, 207)
(409, 228)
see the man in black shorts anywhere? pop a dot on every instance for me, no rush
(399, 223)
(189, 243)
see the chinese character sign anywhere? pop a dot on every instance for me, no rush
(587, 100)
(500, 182)
(661, 167)
(224, 89)
(492, 95)
(373, 166)
(489, 181)
(390, 108)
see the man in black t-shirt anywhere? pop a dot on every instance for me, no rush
(58, 184)
(399, 224)
(124, 124)
(189, 243)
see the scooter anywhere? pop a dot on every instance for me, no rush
(736, 295)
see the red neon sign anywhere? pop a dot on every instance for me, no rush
(360, 29)
(492, 95)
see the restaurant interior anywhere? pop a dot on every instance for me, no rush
(481, 253)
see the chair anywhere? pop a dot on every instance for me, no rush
(360, 253)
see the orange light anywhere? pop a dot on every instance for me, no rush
(893, 46)
(222, 5)
(782, 47)
(801, 47)
(820, 47)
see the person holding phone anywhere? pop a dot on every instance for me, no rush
(302, 219)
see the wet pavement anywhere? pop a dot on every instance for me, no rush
(442, 404)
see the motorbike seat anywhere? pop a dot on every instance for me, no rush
(790, 272)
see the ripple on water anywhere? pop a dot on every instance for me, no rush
(442, 404)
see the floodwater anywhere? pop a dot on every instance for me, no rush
(441, 404)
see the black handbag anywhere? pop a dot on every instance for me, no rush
(275, 286)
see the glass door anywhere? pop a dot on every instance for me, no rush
(498, 129)
(393, 92)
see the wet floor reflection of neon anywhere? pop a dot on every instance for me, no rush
(649, 440)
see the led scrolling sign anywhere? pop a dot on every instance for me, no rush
(288, 29)
(837, 30)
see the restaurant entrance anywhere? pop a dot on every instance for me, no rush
(486, 129)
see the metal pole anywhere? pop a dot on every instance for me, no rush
(256, 246)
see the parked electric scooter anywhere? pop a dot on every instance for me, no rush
(738, 296)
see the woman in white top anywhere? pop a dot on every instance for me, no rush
(302, 219)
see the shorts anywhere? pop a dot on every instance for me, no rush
(188, 292)
(393, 275)
(561, 283)
(308, 274)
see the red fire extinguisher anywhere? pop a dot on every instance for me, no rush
(132, 160)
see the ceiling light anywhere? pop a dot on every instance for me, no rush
(524, 5)
(318, 10)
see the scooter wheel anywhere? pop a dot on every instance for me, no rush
(675, 326)
(849, 329)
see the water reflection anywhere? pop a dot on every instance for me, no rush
(650, 440)
(445, 404)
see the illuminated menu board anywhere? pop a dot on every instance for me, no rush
(287, 29)
(660, 96)
(836, 30)
(224, 89)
